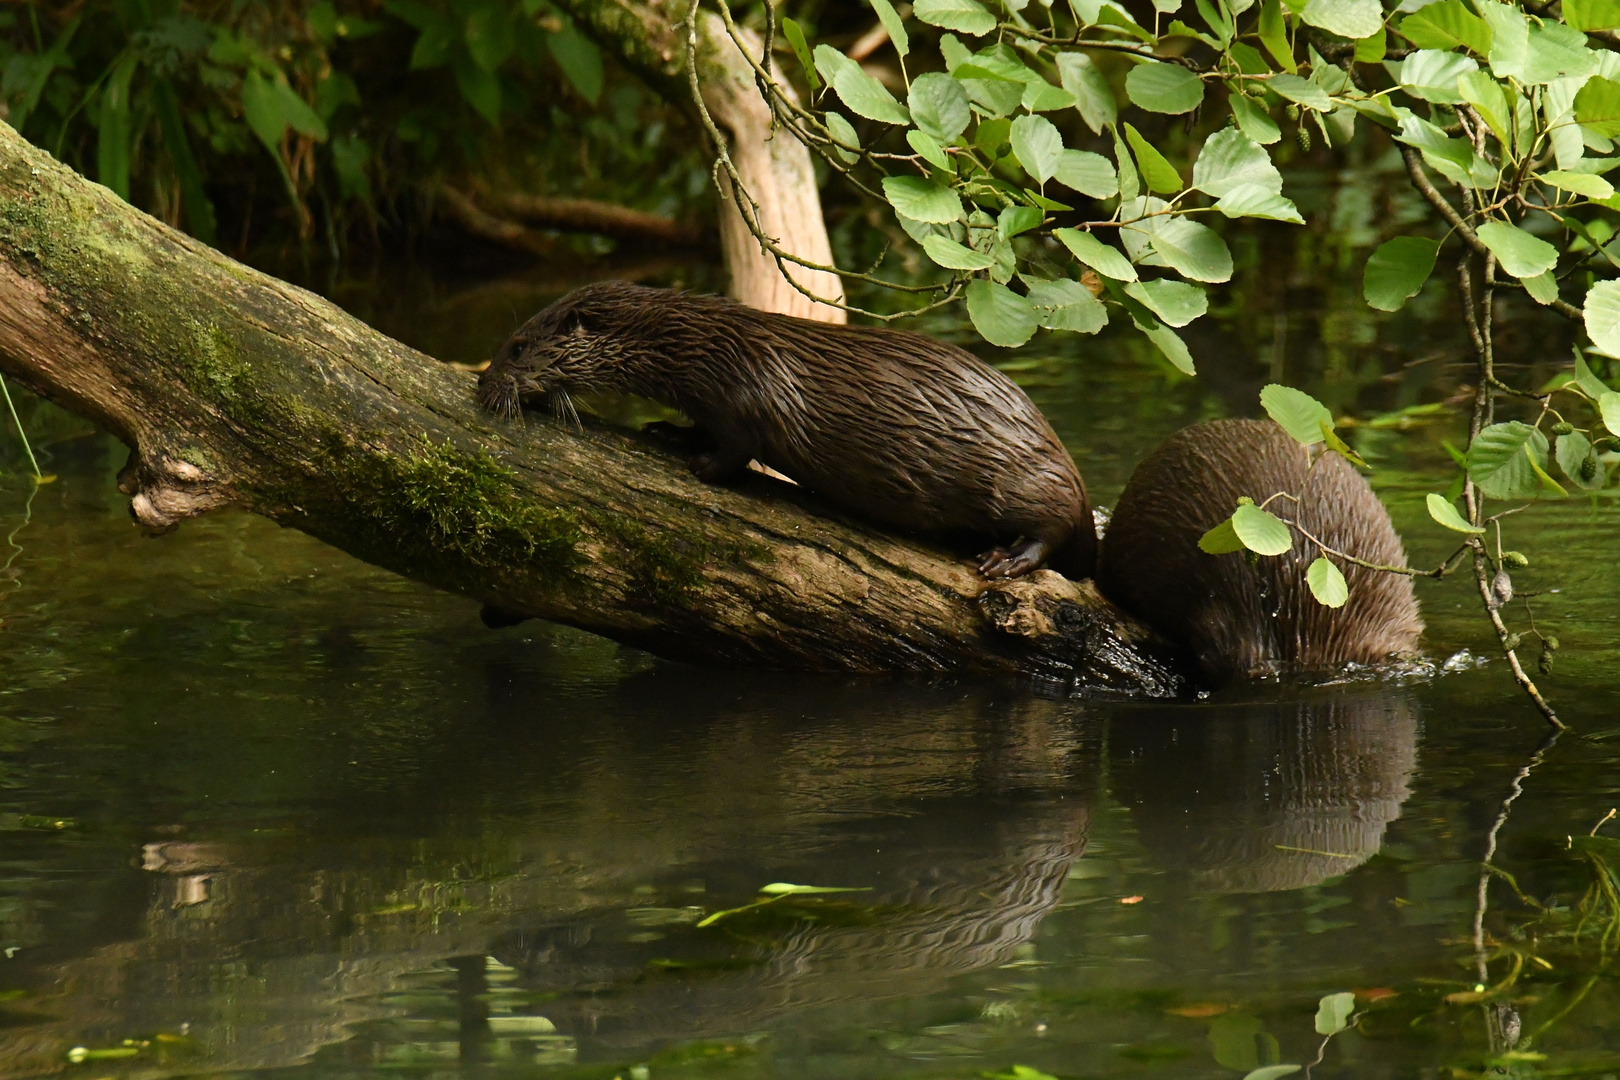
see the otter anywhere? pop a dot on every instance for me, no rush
(899, 428)
(1241, 619)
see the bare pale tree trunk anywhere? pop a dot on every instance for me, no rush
(777, 174)
(235, 389)
(648, 38)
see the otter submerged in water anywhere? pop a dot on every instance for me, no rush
(1243, 620)
(899, 428)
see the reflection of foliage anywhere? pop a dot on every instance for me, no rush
(184, 107)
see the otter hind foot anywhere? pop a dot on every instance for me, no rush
(1013, 562)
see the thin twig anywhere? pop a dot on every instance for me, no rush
(21, 434)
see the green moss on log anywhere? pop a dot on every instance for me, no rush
(464, 506)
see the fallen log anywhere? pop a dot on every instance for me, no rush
(235, 389)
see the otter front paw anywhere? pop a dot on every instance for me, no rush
(1020, 560)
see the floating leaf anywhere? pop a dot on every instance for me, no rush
(1333, 1011)
(1397, 270)
(782, 888)
(963, 15)
(1164, 88)
(1092, 97)
(1102, 258)
(1330, 589)
(1270, 1072)
(1230, 159)
(1299, 414)
(1001, 316)
(1444, 512)
(1067, 305)
(1520, 254)
(922, 200)
(953, 256)
(1038, 146)
(939, 106)
(1261, 531)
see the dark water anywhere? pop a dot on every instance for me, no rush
(263, 807)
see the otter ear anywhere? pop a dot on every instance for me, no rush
(572, 325)
(509, 351)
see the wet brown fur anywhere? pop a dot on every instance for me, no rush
(902, 429)
(1241, 620)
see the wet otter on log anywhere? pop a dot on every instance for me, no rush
(1243, 620)
(899, 428)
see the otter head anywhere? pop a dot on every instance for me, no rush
(576, 345)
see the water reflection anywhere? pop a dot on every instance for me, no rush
(563, 927)
(1262, 798)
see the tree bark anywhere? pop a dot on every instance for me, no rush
(235, 389)
(648, 38)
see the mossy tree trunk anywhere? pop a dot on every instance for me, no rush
(235, 389)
